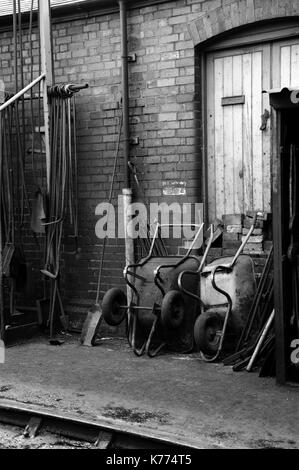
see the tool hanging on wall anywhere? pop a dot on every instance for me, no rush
(62, 202)
(14, 201)
(38, 213)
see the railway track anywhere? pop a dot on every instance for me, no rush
(34, 420)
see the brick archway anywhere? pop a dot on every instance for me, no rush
(237, 14)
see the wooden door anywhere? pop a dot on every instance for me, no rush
(286, 63)
(238, 152)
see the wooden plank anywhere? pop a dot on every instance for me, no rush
(2, 318)
(211, 140)
(47, 68)
(276, 70)
(285, 66)
(219, 150)
(294, 65)
(228, 162)
(280, 345)
(233, 100)
(266, 135)
(238, 137)
(247, 133)
(257, 150)
(258, 35)
(203, 91)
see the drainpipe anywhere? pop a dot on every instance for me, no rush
(125, 90)
(127, 191)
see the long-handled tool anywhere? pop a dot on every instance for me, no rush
(94, 315)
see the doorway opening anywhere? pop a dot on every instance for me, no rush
(289, 223)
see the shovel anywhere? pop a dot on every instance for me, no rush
(94, 315)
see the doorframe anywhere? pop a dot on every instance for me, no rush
(233, 40)
(208, 58)
(280, 267)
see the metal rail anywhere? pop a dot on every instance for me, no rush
(103, 435)
(22, 92)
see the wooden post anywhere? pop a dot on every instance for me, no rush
(47, 68)
(2, 326)
(279, 294)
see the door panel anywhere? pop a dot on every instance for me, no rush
(286, 63)
(238, 151)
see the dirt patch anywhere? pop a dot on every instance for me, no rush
(269, 444)
(134, 415)
(223, 435)
(5, 388)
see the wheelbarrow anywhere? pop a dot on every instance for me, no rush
(226, 291)
(154, 317)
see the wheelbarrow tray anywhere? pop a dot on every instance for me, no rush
(239, 283)
(150, 296)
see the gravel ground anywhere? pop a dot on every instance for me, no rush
(11, 437)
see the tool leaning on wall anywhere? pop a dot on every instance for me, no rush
(60, 203)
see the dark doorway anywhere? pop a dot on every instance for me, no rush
(289, 219)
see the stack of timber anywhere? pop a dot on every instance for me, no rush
(255, 347)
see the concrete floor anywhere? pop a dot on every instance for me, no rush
(176, 396)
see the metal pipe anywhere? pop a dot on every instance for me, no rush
(22, 92)
(127, 191)
(125, 90)
(15, 44)
(261, 340)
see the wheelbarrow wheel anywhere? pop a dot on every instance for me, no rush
(172, 309)
(114, 306)
(207, 332)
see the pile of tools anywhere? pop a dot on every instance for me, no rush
(257, 340)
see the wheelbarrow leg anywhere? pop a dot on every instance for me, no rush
(227, 315)
(222, 336)
(129, 326)
(137, 352)
(148, 343)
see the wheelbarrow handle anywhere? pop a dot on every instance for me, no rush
(241, 248)
(206, 252)
(227, 314)
(201, 266)
(185, 291)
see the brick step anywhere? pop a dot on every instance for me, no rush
(183, 251)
